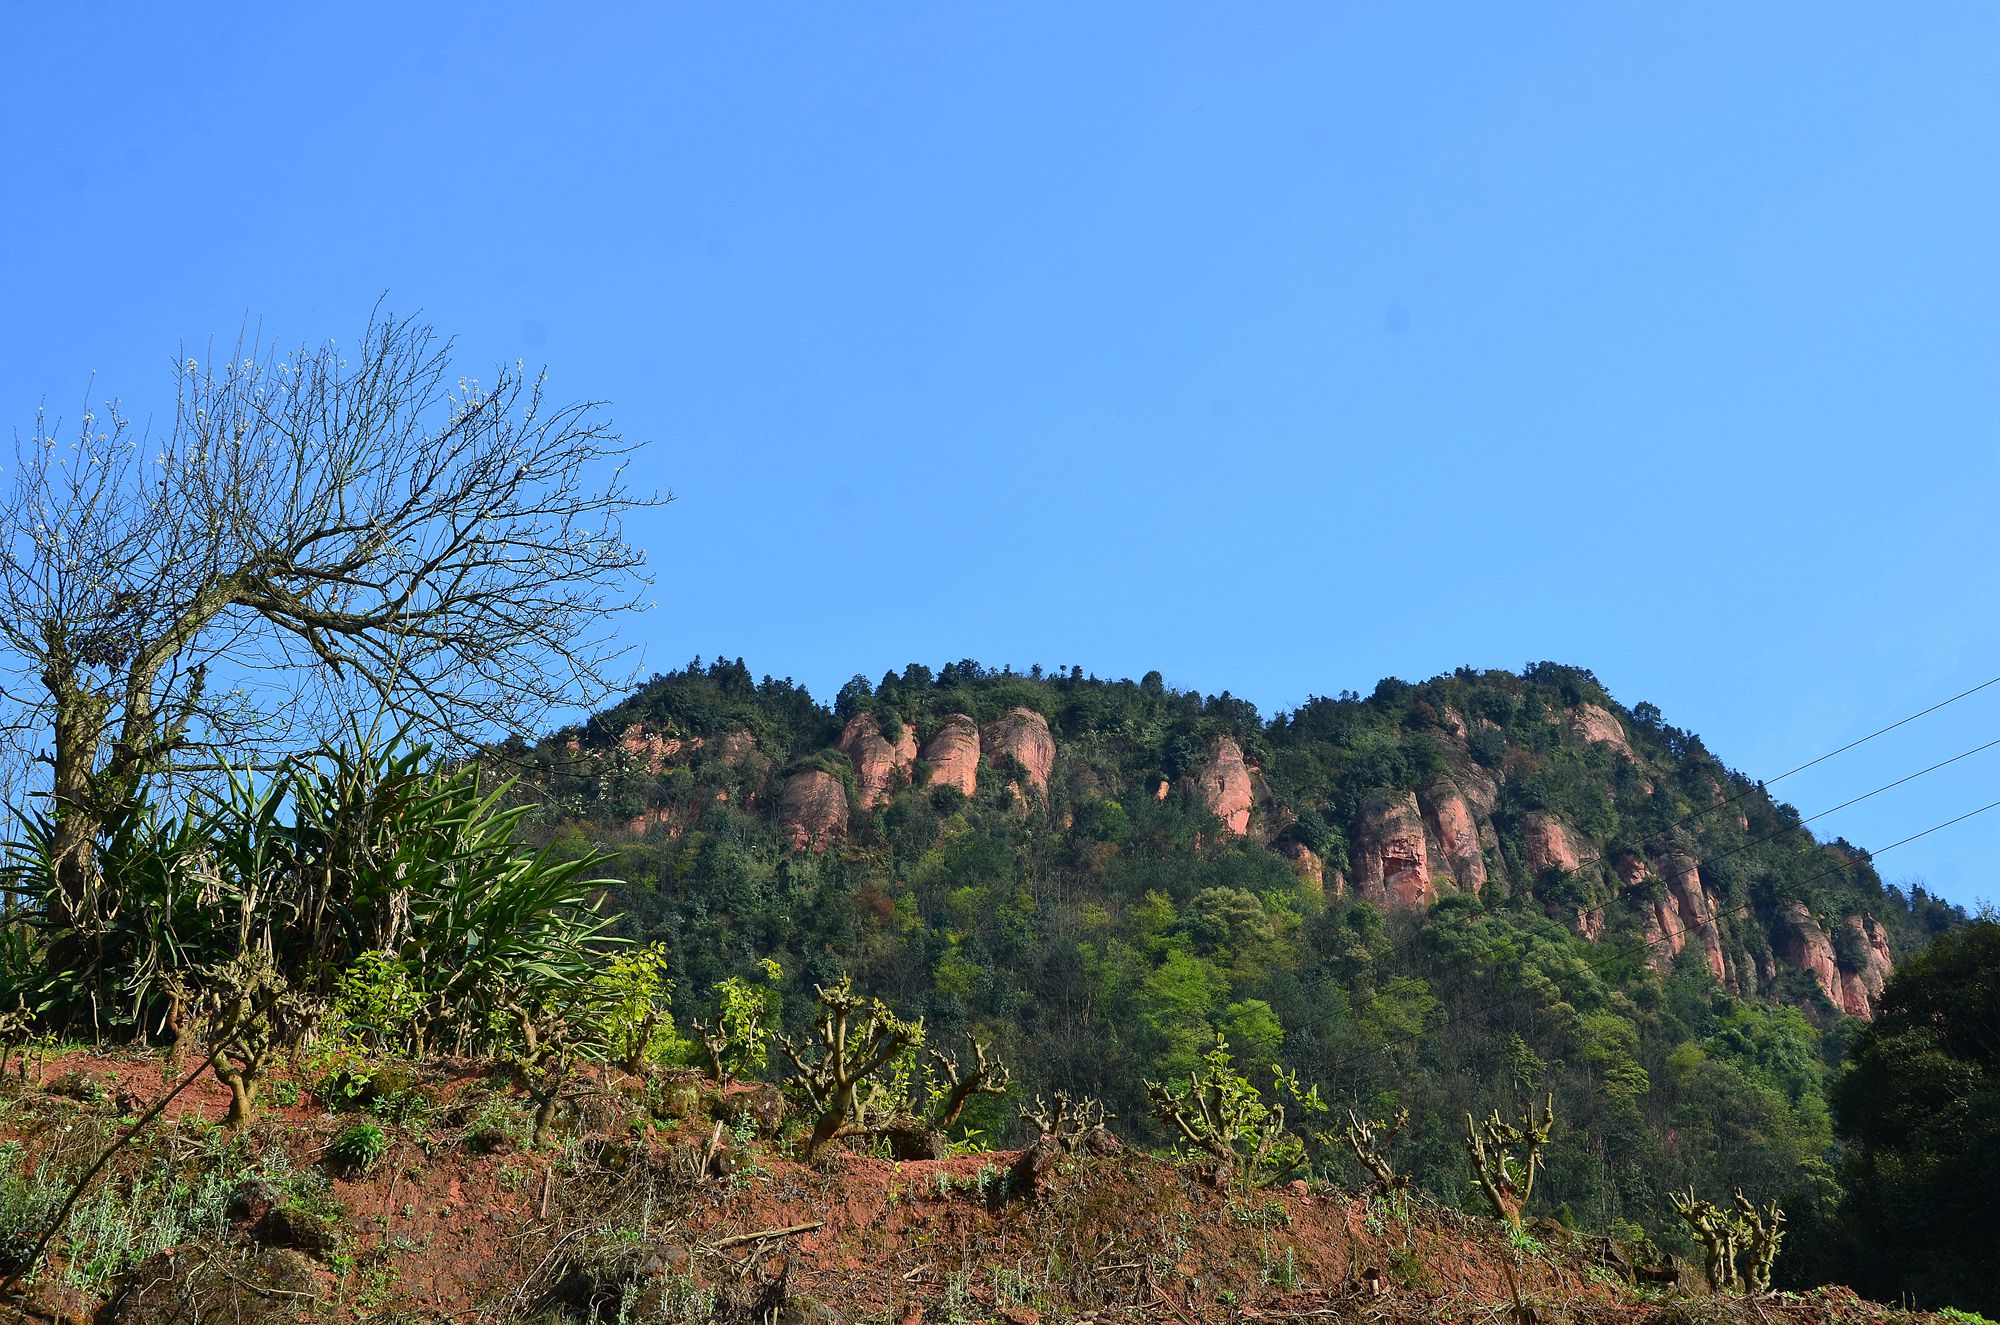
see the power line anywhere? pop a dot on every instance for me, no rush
(1657, 838)
(1810, 763)
(1900, 722)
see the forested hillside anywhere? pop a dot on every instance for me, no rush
(1448, 896)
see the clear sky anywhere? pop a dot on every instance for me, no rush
(1277, 347)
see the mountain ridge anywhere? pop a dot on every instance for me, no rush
(1443, 895)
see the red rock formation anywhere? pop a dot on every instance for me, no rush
(1305, 863)
(1695, 912)
(1658, 924)
(646, 820)
(1545, 842)
(1223, 783)
(1861, 990)
(737, 746)
(1452, 823)
(651, 749)
(813, 811)
(1023, 735)
(1596, 724)
(1806, 945)
(879, 767)
(953, 754)
(1391, 860)
(1803, 944)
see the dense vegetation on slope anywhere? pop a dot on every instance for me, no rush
(1638, 930)
(1921, 1107)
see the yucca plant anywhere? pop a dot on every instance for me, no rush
(374, 847)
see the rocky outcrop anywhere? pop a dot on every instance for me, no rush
(1805, 944)
(953, 753)
(812, 814)
(1023, 736)
(1546, 844)
(1391, 859)
(645, 821)
(737, 747)
(653, 751)
(1861, 990)
(1305, 863)
(1694, 910)
(1223, 783)
(1455, 828)
(879, 767)
(1593, 724)
(1658, 925)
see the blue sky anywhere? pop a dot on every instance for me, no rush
(1279, 348)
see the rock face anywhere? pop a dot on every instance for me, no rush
(1804, 944)
(879, 767)
(737, 746)
(1595, 724)
(1305, 863)
(1391, 859)
(812, 814)
(646, 820)
(953, 754)
(1023, 735)
(1545, 842)
(1683, 914)
(1860, 990)
(1452, 823)
(651, 749)
(1223, 783)
(1661, 932)
(1695, 913)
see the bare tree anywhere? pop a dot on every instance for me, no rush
(317, 533)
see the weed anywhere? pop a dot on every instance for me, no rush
(1408, 1270)
(958, 1304)
(1263, 1214)
(358, 1147)
(498, 1124)
(1015, 1285)
(1281, 1273)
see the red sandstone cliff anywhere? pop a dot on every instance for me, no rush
(879, 767)
(1022, 735)
(1391, 858)
(1223, 783)
(953, 753)
(813, 811)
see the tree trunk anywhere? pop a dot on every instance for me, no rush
(545, 1117)
(242, 1095)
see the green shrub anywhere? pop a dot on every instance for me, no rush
(739, 1043)
(358, 1147)
(1219, 1113)
(635, 1020)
